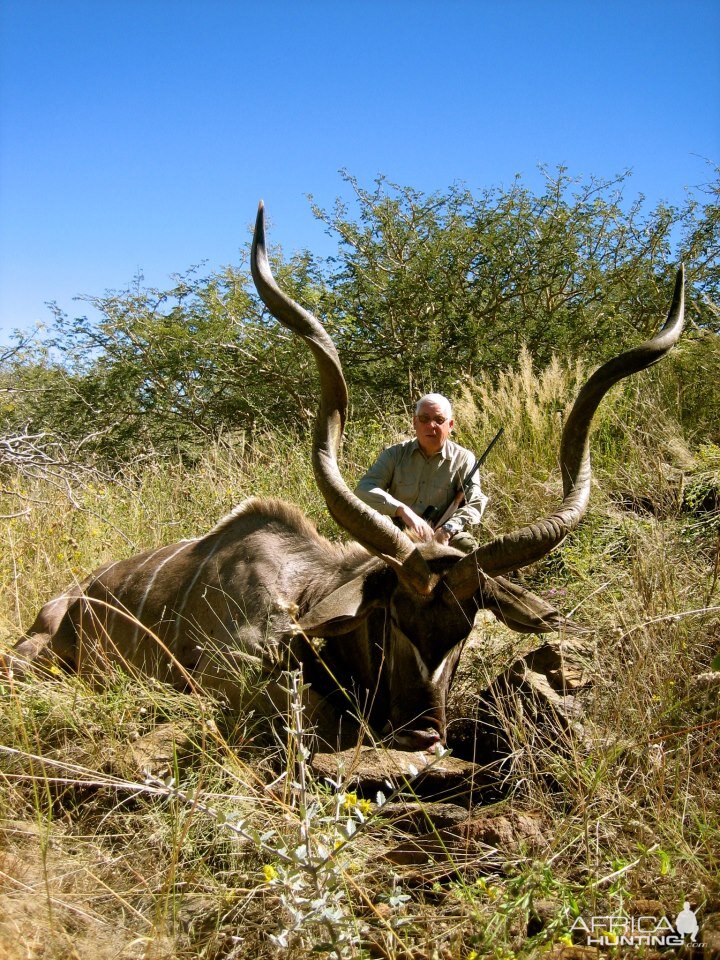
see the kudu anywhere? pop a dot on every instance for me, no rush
(392, 614)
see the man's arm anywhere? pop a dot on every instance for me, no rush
(373, 487)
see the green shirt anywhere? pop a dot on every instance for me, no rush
(402, 474)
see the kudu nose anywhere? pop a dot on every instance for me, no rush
(414, 739)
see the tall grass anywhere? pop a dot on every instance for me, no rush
(115, 842)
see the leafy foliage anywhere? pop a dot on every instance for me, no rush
(165, 370)
(436, 290)
(427, 292)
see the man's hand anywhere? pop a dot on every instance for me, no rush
(416, 525)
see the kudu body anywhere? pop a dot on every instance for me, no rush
(392, 614)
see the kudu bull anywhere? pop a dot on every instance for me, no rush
(393, 614)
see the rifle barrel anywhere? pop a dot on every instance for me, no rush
(483, 457)
(443, 515)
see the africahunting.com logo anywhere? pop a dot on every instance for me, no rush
(621, 930)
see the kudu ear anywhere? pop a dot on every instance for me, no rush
(521, 610)
(341, 611)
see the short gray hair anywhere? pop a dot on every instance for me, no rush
(437, 398)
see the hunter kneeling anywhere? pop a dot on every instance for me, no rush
(429, 485)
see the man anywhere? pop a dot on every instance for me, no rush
(408, 478)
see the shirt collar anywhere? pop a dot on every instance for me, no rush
(444, 452)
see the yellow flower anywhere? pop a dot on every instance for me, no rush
(364, 806)
(270, 873)
(350, 801)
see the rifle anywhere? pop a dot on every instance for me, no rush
(457, 499)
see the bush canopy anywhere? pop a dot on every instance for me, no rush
(436, 292)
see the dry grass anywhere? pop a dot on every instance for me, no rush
(95, 860)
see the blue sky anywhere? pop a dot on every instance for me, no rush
(139, 136)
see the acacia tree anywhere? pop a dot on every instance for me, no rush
(427, 292)
(431, 289)
(168, 370)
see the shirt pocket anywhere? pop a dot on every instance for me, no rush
(439, 491)
(406, 491)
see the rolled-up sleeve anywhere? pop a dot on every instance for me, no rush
(373, 487)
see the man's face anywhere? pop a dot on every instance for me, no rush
(432, 425)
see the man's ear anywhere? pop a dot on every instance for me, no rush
(341, 611)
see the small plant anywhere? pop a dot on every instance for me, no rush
(310, 866)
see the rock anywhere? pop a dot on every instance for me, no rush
(371, 769)
(196, 913)
(477, 839)
(548, 681)
(157, 752)
(419, 818)
(507, 833)
(708, 682)
(545, 685)
(644, 907)
(543, 911)
(563, 663)
(710, 936)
